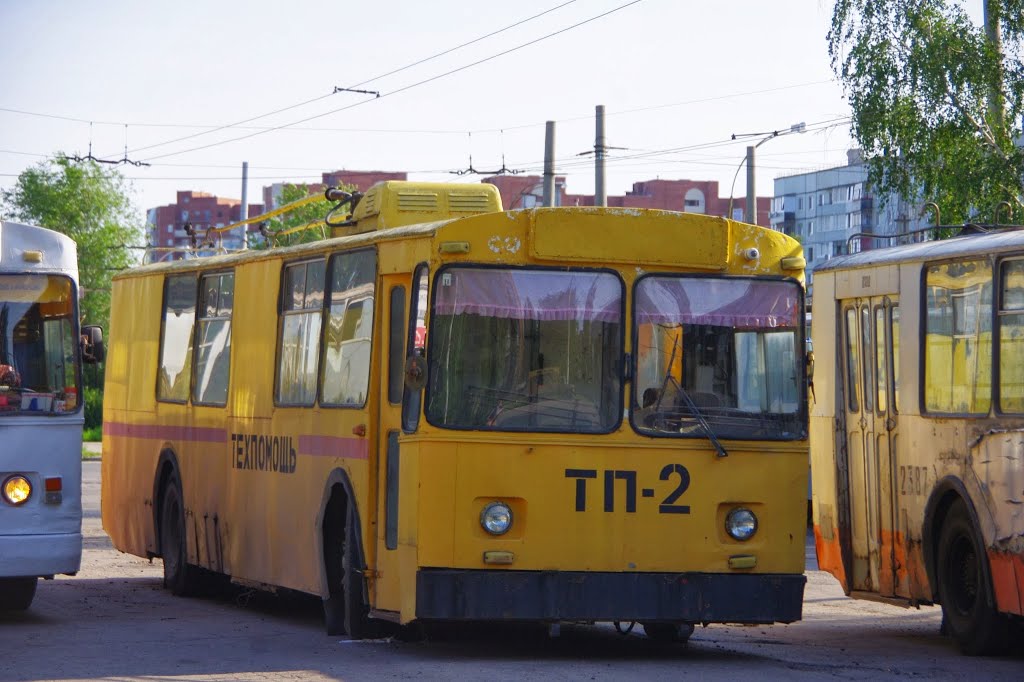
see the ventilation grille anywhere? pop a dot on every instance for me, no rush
(417, 201)
(368, 204)
(477, 202)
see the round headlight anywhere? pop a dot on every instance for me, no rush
(17, 490)
(741, 524)
(496, 518)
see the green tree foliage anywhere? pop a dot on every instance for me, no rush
(89, 203)
(310, 215)
(937, 102)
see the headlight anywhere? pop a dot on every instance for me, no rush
(17, 490)
(496, 518)
(741, 524)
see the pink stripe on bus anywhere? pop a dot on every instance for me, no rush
(333, 446)
(194, 434)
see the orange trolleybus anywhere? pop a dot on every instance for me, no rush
(446, 411)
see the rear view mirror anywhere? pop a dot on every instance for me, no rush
(92, 345)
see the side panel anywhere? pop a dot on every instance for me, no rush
(129, 461)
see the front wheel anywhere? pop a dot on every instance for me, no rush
(16, 594)
(965, 588)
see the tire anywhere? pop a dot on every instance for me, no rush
(345, 611)
(965, 588)
(16, 594)
(180, 578)
(667, 633)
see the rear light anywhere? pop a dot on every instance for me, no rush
(54, 487)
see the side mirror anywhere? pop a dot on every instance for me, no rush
(92, 345)
(415, 372)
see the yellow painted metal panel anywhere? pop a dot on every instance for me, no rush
(664, 238)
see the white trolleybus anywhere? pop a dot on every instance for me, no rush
(40, 410)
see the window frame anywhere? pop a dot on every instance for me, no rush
(326, 312)
(195, 334)
(997, 331)
(922, 337)
(281, 314)
(194, 275)
(623, 359)
(800, 355)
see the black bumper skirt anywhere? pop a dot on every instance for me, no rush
(447, 594)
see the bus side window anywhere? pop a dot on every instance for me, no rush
(213, 347)
(179, 315)
(416, 343)
(1011, 337)
(396, 345)
(348, 334)
(302, 303)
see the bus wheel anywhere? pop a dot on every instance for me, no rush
(345, 611)
(16, 594)
(965, 588)
(666, 633)
(179, 577)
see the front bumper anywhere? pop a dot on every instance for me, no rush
(40, 555)
(449, 594)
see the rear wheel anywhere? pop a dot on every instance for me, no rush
(16, 594)
(179, 577)
(965, 588)
(345, 611)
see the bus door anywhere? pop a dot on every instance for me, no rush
(402, 329)
(870, 429)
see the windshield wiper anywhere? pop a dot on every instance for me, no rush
(697, 414)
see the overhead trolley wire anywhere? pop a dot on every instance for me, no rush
(354, 85)
(407, 87)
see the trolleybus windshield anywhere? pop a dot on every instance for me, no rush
(526, 350)
(718, 350)
(37, 345)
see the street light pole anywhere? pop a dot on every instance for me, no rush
(750, 211)
(750, 214)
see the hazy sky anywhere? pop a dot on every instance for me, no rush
(677, 79)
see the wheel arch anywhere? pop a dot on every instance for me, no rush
(166, 469)
(945, 493)
(338, 491)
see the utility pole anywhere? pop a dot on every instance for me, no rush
(750, 214)
(600, 196)
(549, 164)
(243, 212)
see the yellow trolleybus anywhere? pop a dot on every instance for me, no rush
(917, 431)
(450, 412)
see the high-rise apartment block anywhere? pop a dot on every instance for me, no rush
(834, 211)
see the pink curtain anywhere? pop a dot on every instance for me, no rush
(529, 294)
(717, 301)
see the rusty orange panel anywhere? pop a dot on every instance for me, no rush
(1007, 580)
(830, 556)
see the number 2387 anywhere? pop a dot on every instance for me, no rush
(620, 487)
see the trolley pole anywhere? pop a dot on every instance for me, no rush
(549, 164)
(750, 214)
(600, 196)
(243, 212)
